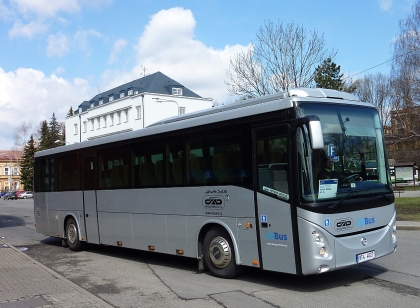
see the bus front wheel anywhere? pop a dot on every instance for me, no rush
(219, 253)
(72, 236)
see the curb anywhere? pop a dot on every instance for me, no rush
(58, 276)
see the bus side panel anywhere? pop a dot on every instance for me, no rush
(41, 213)
(150, 230)
(176, 227)
(115, 227)
(247, 240)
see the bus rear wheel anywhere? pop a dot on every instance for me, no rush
(72, 236)
(219, 253)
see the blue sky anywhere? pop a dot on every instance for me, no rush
(54, 54)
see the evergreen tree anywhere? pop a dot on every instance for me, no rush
(327, 75)
(27, 165)
(55, 132)
(45, 140)
(70, 113)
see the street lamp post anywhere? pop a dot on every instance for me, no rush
(159, 100)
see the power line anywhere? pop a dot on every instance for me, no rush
(404, 54)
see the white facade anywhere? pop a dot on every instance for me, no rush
(127, 113)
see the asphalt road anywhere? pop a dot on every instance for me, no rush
(129, 278)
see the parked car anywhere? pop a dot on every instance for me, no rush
(5, 195)
(11, 196)
(26, 194)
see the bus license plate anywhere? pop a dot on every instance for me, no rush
(365, 256)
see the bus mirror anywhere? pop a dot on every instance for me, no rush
(315, 133)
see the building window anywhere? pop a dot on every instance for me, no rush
(104, 121)
(119, 117)
(15, 171)
(84, 126)
(101, 102)
(111, 116)
(75, 129)
(182, 110)
(138, 112)
(92, 105)
(136, 92)
(92, 125)
(176, 91)
(6, 170)
(130, 92)
(111, 98)
(99, 122)
(122, 95)
(126, 115)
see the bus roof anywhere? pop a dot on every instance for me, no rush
(243, 108)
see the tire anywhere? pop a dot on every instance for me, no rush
(219, 253)
(72, 236)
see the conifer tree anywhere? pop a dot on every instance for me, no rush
(45, 140)
(55, 132)
(27, 164)
(327, 75)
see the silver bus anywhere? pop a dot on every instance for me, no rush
(278, 182)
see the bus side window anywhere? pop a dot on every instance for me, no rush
(174, 161)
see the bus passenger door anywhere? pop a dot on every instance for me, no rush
(89, 199)
(271, 148)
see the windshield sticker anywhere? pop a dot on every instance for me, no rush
(327, 188)
(277, 193)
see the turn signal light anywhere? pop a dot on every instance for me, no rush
(255, 262)
(179, 252)
(151, 247)
(119, 243)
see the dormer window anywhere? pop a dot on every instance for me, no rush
(111, 98)
(130, 92)
(122, 94)
(80, 110)
(92, 105)
(176, 91)
(101, 102)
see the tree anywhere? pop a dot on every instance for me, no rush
(70, 113)
(55, 131)
(327, 76)
(376, 89)
(19, 134)
(283, 57)
(45, 140)
(27, 164)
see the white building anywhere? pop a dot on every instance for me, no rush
(132, 106)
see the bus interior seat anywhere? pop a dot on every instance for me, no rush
(147, 174)
(221, 169)
(177, 171)
(159, 172)
(117, 176)
(198, 169)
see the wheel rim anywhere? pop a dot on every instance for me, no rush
(72, 233)
(220, 253)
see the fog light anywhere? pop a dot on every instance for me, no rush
(322, 251)
(319, 241)
(393, 236)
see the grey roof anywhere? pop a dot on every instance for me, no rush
(155, 83)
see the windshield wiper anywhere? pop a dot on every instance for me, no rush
(342, 199)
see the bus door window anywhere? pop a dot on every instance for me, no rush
(175, 161)
(272, 164)
(147, 164)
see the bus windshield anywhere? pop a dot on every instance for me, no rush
(353, 161)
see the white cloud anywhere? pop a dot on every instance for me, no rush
(118, 46)
(168, 45)
(82, 38)
(28, 95)
(385, 5)
(27, 30)
(57, 45)
(45, 8)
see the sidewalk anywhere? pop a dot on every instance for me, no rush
(26, 283)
